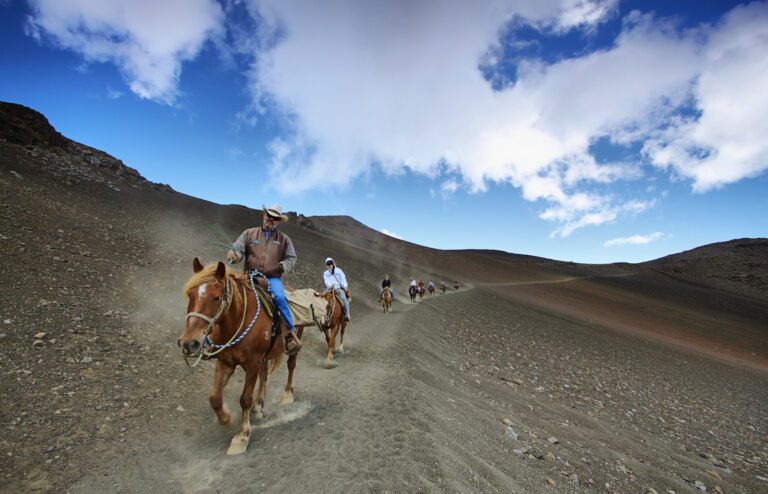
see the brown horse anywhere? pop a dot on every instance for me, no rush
(221, 304)
(334, 321)
(431, 289)
(421, 292)
(386, 300)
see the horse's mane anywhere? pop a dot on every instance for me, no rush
(208, 275)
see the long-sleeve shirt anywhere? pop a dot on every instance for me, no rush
(335, 280)
(386, 283)
(267, 249)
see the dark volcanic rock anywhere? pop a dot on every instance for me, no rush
(737, 265)
(25, 126)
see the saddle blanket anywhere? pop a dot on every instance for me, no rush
(301, 302)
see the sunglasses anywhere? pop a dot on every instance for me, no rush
(273, 218)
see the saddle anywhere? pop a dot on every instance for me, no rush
(270, 308)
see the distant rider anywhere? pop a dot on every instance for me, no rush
(270, 254)
(334, 279)
(387, 283)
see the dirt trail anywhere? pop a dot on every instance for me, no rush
(329, 440)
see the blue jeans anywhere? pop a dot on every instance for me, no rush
(276, 287)
(390, 292)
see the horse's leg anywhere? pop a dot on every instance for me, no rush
(341, 338)
(240, 442)
(220, 380)
(332, 341)
(258, 404)
(288, 395)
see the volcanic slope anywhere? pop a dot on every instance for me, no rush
(535, 376)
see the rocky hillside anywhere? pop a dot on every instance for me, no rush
(737, 265)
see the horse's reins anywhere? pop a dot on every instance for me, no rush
(225, 301)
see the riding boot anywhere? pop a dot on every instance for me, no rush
(292, 343)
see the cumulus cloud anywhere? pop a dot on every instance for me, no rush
(147, 40)
(391, 234)
(634, 239)
(365, 82)
(726, 142)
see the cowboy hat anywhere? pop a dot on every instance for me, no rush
(275, 211)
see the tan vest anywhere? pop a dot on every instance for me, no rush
(265, 255)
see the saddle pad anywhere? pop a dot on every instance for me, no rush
(301, 302)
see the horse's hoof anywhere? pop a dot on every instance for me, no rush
(258, 414)
(330, 364)
(341, 349)
(238, 445)
(287, 398)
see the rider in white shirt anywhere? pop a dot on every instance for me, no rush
(334, 279)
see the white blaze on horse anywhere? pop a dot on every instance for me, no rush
(226, 320)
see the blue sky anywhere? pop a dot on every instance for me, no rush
(579, 130)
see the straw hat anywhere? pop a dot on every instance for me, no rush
(276, 211)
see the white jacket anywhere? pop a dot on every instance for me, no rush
(335, 280)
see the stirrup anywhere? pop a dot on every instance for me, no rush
(292, 343)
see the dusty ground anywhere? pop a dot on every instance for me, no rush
(536, 376)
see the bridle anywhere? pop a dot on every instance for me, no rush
(223, 306)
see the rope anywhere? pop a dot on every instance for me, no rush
(207, 342)
(235, 342)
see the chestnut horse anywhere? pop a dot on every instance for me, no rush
(421, 292)
(431, 289)
(333, 321)
(386, 300)
(221, 304)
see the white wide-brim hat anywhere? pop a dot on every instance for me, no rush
(276, 211)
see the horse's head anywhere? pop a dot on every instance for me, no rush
(208, 294)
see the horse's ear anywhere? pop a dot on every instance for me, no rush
(197, 265)
(221, 271)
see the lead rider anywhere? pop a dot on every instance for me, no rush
(270, 254)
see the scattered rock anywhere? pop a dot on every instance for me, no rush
(511, 432)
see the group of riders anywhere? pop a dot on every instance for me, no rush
(269, 254)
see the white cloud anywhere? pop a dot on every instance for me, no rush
(727, 142)
(363, 82)
(634, 239)
(114, 93)
(146, 39)
(391, 234)
(448, 187)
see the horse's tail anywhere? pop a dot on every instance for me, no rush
(274, 364)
